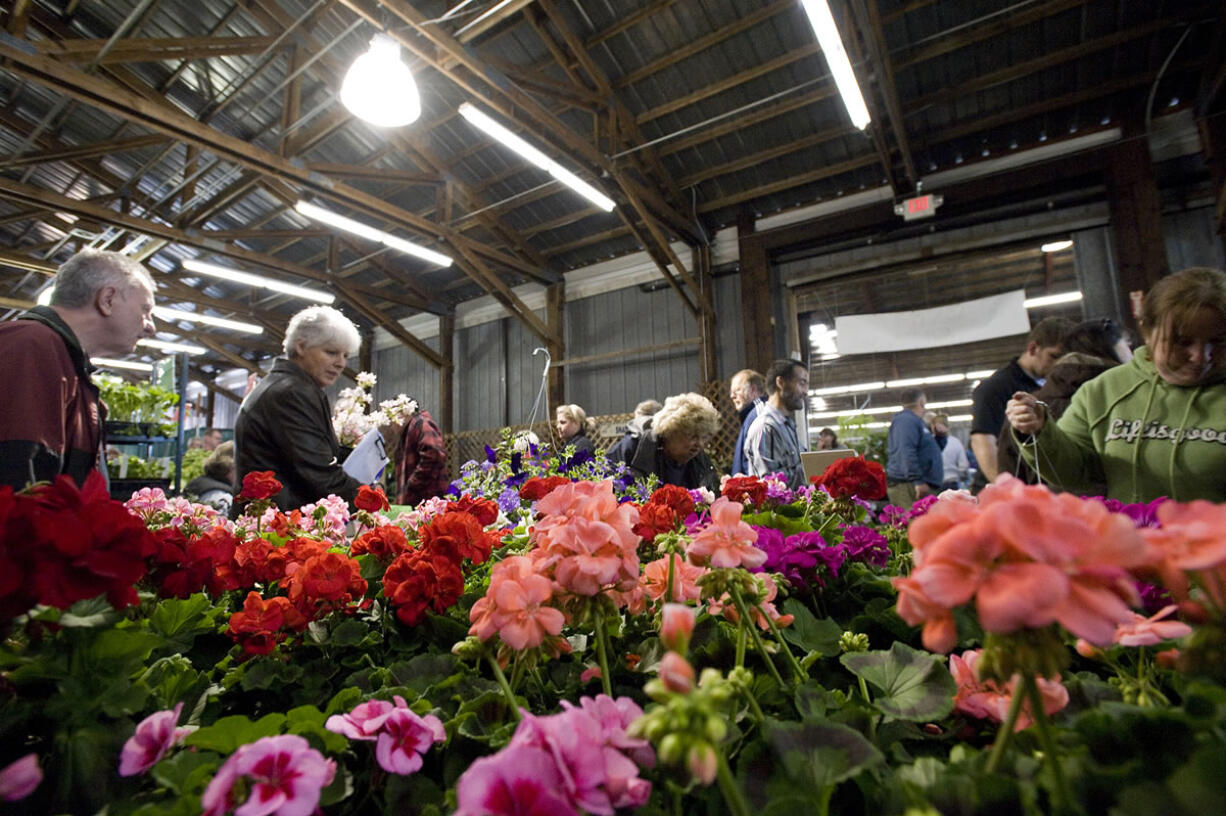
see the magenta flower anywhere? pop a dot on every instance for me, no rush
(404, 738)
(866, 544)
(614, 717)
(519, 780)
(19, 779)
(155, 735)
(285, 777)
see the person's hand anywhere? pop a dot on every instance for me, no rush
(922, 489)
(1026, 413)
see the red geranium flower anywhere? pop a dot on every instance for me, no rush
(324, 583)
(260, 484)
(655, 519)
(484, 510)
(417, 581)
(456, 536)
(538, 487)
(370, 499)
(745, 489)
(261, 624)
(385, 542)
(856, 476)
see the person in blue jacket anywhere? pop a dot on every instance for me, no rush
(914, 468)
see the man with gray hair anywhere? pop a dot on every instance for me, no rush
(51, 416)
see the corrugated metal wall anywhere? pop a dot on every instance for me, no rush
(497, 376)
(403, 371)
(1191, 240)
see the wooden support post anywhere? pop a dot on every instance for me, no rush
(555, 317)
(210, 409)
(446, 373)
(1136, 216)
(755, 296)
(1213, 145)
(366, 356)
(701, 261)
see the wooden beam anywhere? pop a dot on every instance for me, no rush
(998, 25)
(446, 372)
(392, 327)
(959, 87)
(734, 123)
(87, 151)
(374, 173)
(555, 316)
(17, 303)
(1136, 216)
(829, 171)
(756, 159)
(878, 51)
(743, 23)
(195, 238)
(150, 49)
(212, 386)
(623, 353)
(217, 348)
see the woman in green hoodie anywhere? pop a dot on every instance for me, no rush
(1155, 426)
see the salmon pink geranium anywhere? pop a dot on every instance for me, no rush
(726, 541)
(988, 700)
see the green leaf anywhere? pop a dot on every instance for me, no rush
(912, 685)
(173, 616)
(350, 633)
(267, 673)
(94, 613)
(228, 733)
(810, 633)
(308, 720)
(424, 671)
(186, 771)
(816, 754)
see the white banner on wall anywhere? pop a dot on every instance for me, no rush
(966, 322)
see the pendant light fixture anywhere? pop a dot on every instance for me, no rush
(379, 88)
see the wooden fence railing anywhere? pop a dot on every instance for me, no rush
(465, 445)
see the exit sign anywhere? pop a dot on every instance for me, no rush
(924, 206)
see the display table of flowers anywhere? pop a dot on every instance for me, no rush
(555, 640)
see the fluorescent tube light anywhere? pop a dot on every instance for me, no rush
(225, 273)
(500, 133)
(836, 57)
(171, 315)
(165, 345)
(370, 233)
(1056, 246)
(847, 389)
(938, 378)
(107, 362)
(1051, 300)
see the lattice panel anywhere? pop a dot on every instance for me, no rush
(466, 445)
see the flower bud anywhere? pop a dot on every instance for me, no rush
(676, 673)
(1167, 658)
(702, 762)
(676, 626)
(672, 748)
(716, 729)
(1088, 650)
(853, 642)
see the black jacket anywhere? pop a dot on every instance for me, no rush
(284, 425)
(643, 454)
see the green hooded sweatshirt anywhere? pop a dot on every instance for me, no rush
(1145, 437)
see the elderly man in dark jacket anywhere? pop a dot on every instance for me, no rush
(285, 425)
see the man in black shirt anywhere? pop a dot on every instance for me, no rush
(1044, 345)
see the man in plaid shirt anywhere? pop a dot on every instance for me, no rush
(421, 461)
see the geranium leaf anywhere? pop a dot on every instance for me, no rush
(811, 633)
(264, 674)
(912, 685)
(172, 615)
(186, 771)
(819, 753)
(228, 733)
(424, 671)
(90, 614)
(307, 720)
(349, 633)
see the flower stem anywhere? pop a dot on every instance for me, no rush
(798, 672)
(743, 608)
(728, 787)
(740, 645)
(602, 652)
(506, 687)
(1005, 733)
(1047, 739)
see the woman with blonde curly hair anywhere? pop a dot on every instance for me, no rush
(670, 443)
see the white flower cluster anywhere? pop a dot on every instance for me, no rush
(350, 419)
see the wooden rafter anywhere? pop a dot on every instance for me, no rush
(151, 49)
(868, 16)
(87, 151)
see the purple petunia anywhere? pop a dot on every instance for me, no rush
(866, 545)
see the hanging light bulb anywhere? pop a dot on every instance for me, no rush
(379, 88)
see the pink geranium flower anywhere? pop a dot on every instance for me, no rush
(19, 779)
(404, 738)
(677, 673)
(155, 735)
(1143, 631)
(726, 541)
(515, 606)
(676, 626)
(366, 720)
(520, 780)
(654, 579)
(614, 717)
(1027, 558)
(986, 700)
(585, 539)
(285, 776)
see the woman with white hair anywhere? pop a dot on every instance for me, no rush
(285, 424)
(670, 443)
